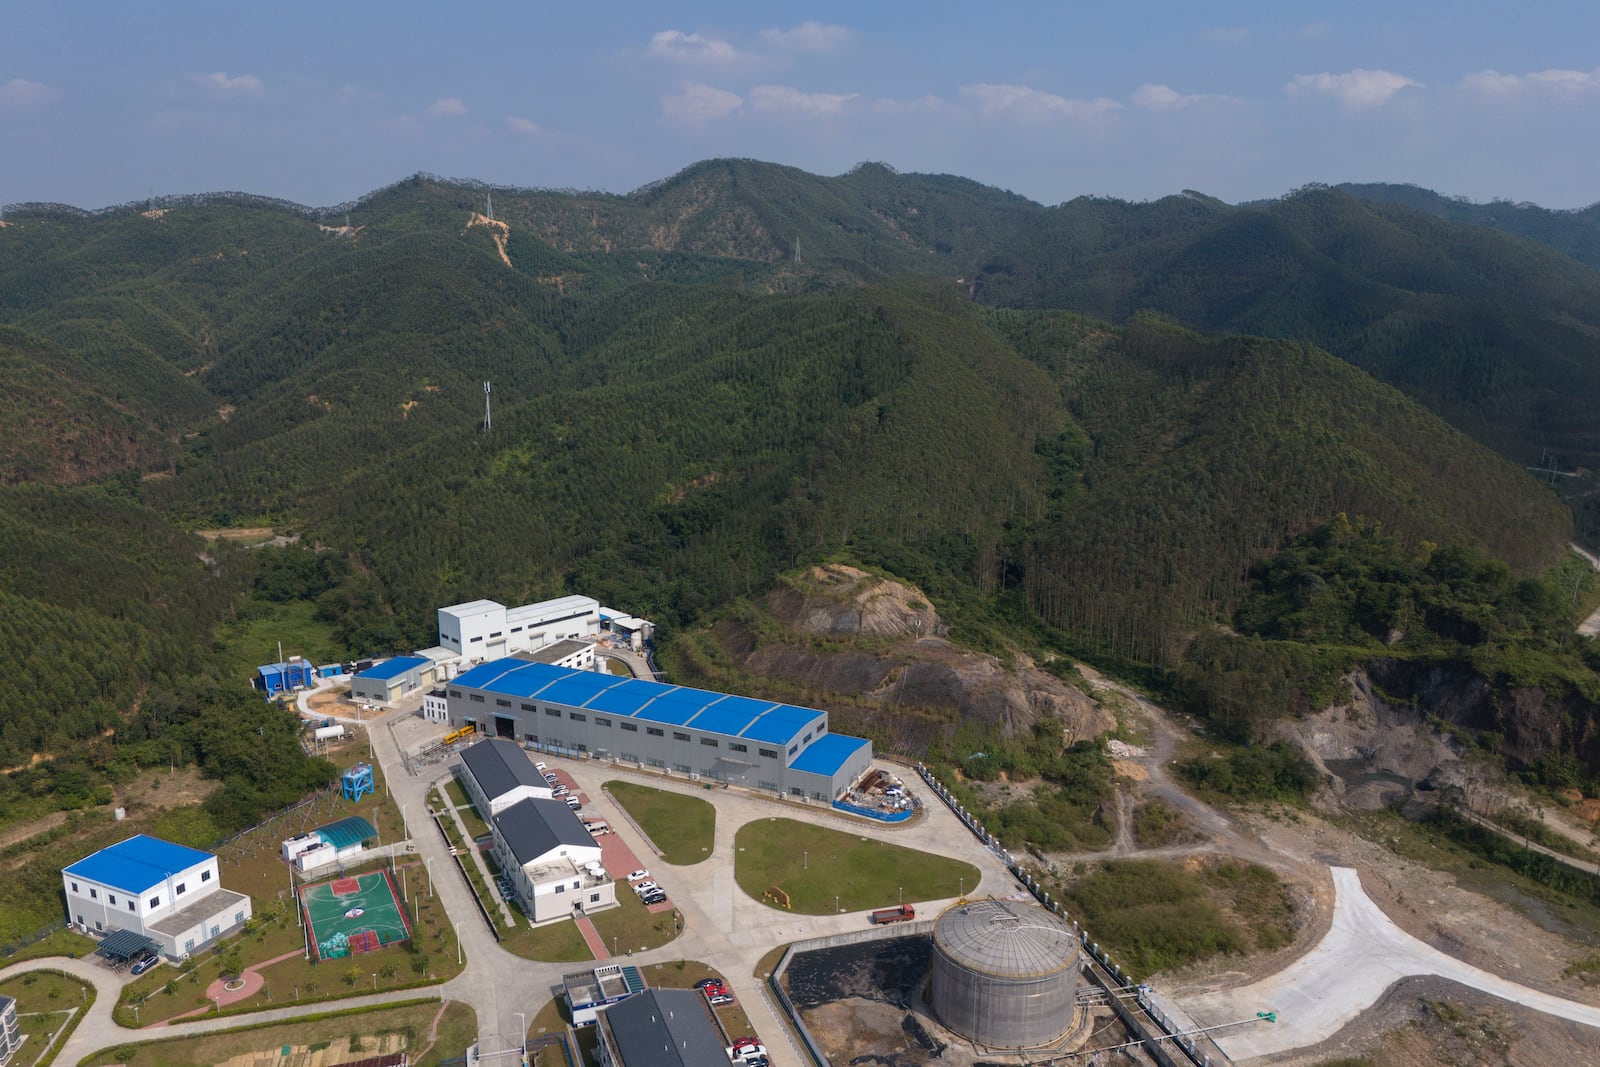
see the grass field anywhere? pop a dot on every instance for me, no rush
(682, 827)
(818, 867)
(246, 643)
(44, 999)
(389, 1029)
(633, 925)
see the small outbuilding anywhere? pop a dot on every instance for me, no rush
(497, 774)
(293, 673)
(392, 679)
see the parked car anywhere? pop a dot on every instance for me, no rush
(541, 767)
(574, 803)
(720, 999)
(716, 989)
(144, 963)
(639, 876)
(656, 897)
(644, 887)
(560, 791)
(707, 983)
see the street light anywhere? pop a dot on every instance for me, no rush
(374, 981)
(427, 865)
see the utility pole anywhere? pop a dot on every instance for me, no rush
(487, 420)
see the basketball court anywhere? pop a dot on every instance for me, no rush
(352, 915)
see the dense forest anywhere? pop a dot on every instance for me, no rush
(1097, 422)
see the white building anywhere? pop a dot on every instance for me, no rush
(166, 892)
(484, 629)
(552, 862)
(497, 774)
(435, 707)
(10, 1031)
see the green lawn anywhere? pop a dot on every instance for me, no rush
(556, 943)
(632, 925)
(43, 999)
(682, 827)
(246, 643)
(817, 866)
(458, 796)
(385, 1030)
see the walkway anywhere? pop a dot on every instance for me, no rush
(1362, 955)
(591, 937)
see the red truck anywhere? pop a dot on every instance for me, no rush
(903, 913)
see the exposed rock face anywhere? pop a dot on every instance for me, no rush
(861, 635)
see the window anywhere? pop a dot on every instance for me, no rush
(575, 883)
(577, 716)
(601, 720)
(205, 876)
(822, 729)
(502, 703)
(131, 905)
(631, 757)
(94, 894)
(554, 713)
(516, 629)
(709, 742)
(631, 727)
(736, 747)
(98, 925)
(476, 698)
(111, 897)
(769, 785)
(654, 731)
(681, 768)
(494, 635)
(155, 902)
(652, 761)
(562, 888)
(677, 736)
(181, 887)
(793, 749)
(594, 898)
(238, 918)
(529, 707)
(769, 753)
(806, 740)
(456, 693)
(531, 738)
(583, 748)
(477, 639)
(188, 946)
(74, 887)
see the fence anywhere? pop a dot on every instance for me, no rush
(13, 947)
(1159, 1044)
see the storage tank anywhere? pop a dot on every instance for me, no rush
(328, 733)
(1005, 973)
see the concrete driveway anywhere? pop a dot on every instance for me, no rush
(1361, 956)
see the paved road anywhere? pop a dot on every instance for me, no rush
(1363, 954)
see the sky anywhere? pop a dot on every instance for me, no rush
(106, 103)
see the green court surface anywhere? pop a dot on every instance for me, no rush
(355, 914)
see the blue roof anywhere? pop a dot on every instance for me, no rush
(137, 864)
(734, 716)
(394, 668)
(828, 753)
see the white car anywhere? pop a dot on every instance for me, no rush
(638, 876)
(540, 767)
(644, 887)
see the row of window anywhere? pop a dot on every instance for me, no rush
(155, 901)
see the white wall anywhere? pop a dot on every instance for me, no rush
(91, 902)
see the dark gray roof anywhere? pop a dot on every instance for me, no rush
(554, 653)
(500, 766)
(534, 827)
(665, 1028)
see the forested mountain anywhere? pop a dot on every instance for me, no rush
(684, 410)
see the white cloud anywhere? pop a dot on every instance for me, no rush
(526, 127)
(692, 49)
(696, 104)
(219, 82)
(20, 94)
(1557, 82)
(809, 37)
(1156, 97)
(790, 102)
(446, 107)
(1023, 102)
(1356, 89)
(1226, 35)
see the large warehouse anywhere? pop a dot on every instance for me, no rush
(723, 738)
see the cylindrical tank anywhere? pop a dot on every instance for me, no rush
(1005, 973)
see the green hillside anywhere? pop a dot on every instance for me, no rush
(682, 411)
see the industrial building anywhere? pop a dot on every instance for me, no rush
(169, 894)
(342, 841)
(392, 679)
(733, 739)
(287, 676)
(589, 991)
(10, 1031)
(497, 774)
(1005, 974)
(483, 630)
(552, 861)
(660, 1028)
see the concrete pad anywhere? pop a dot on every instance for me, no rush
(1362, 955)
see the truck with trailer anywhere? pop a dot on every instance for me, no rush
(899, 914)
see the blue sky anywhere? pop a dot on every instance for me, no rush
(318, 103)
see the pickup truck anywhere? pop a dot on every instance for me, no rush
(903, 913)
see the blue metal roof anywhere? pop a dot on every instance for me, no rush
(782, 725)
(394, 668)
(138, 864)
(827, 754)
(757, 720)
